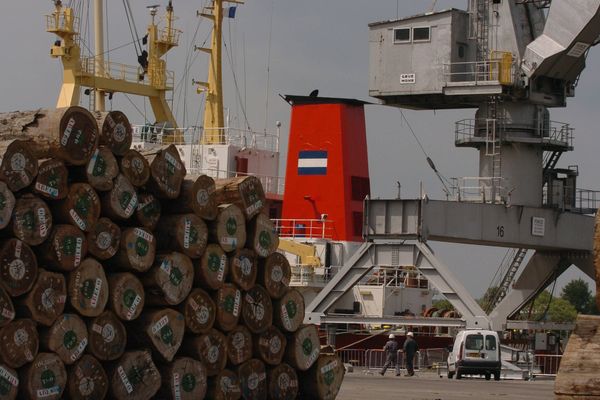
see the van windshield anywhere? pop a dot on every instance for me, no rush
(474, 342)
(490, 342)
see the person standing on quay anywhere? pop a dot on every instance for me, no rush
(410, 349)
(391, 355)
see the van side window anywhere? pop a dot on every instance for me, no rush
(474, 342)
(490, 342)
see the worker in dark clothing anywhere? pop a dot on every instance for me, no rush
(410, 350)
(391, 355)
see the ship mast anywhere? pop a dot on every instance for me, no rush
(99, 49)
(214, 119)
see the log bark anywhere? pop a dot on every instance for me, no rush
(88, 288)
(80, 208)
(199, 311)
(212, 268)
(99, 171)
(324, 379)
(65, 248)
(262, 237)
(253, 379)
(274, 274)
(270, 346)
(246, 192)
(198, 196)
(7, 309)
(185, 233)
(127, 296)
(45, 378)
(210, 349)
(52, 181)
(162, 330)
(243, 268)
(107, 337)
(104, 239)
(303, 348)
(288, 312)
(115, 131)
(70, 134)
(170, 280)
(136, 250)
(18, 166)
(134, 377)
(9, 383)
(87, 380)
(135, 167)
(184, 379)
(224, 386)
(239, 345)
(282, 382)
(167, 171)
(578, 373)
(67, 337)
(148, 211)
(257, 309)
(19, 343)
(7, 205)
(18, 267)
(229, 228)
(121, 201)
(46, 300)
(31, 221)
(229, 307)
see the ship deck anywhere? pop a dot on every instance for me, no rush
(429, 386)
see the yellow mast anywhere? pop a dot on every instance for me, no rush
(115, 78)
(214, 119)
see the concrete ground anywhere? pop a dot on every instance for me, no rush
(429, 386)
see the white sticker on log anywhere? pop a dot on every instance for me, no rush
(104, 240)
(42, 218)
(65, 139)
(43, 393)
(254, 207)
(286, 318)
(329, 367)
(236, 306)
(18, 248)
(176, 386)
(221, 273)
(160, 324)
(79, 350)
(132, 205)
(77, 219)
(50, 191)
(16, 269)
(125, 380)
(79, 244)
(202, 197)
(165, 266)
(143, 234)
(212, 355)
(133, 307)
(8, 314)
(18, 162)
(92, 162)
(313, 357)
(96, 294)
(186, 233)
(276, 274)
(13, 380)
(171, 160)
(20, 337)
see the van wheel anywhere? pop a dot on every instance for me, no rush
(450, 374)
(487, 376)
(458, 374)
(497, 376)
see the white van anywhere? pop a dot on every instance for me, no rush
(475, 352)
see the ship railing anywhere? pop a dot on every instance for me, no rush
(160, 78)
(169, 36)
(62, 22)
(478, 190)
(500, 69)
(476, 130)
(586, 201)
(304, 228)
(543, 365)
(376, 358)
(354, 357)
(244, 139)
(398, 277)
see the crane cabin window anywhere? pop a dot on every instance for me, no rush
(421, 34)
(402, 35)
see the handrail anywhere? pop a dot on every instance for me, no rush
(500, 70)
(304, 228)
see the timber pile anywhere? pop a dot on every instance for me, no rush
(122, 278)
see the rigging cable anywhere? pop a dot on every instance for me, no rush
(132, 28)
(228, 51)
(269, 65)
(442, 179)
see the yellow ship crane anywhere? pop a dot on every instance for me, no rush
(307, 252)
(152, 80)
(214, 119)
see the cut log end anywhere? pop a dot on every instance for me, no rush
(253, 379)
(167, 172)
(245, 191)
(65, 249)
(199, 311)
(213, 268)
(88, 288)
(324, 379)
(107, 337)
(45, 377)
(103, 240)
(162, 329)
(81, 207)
(257, 309)
(135, 167)
(9, 383)
(18, 267)
(224, 386)
(170, 280)
(126, 296)
(274, 274)
(283, 383)
(46, 300)
(19, 343)
(239, 345)
(186, 233)
(7, 309)
(229, 307)
(229, 228)
(52, 180)
(7, 205)
(262, 237)
(31, 220)
(87, 380)
(67, 337)
(288, 312)
(135, 376)
(148, 211)
(121, 201)
(115, 131)
(270, 346)
(102, 169)
(303, 348)
(136, 250)
(210, 349)
(18, 167)
(184, 379)
(243, 268)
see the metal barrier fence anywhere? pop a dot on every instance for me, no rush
(545, 365)
(375, 360)
(355, 357)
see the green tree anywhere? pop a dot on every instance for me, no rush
(442, 304)
(486, 302)
(549, 308)
(578, 293)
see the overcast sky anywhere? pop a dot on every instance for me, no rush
(315, 44)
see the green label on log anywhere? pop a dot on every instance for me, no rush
(166, 335)
(70, 340)
(150, 209)
(53, 180)
(135, 375)
(82, 205)
(69, 246)
(129, 297)
(28, 220)
(214, 262)
(329, 377)
(99, 167)
(291, 308)
(125, 199)
(87, 288)
(48, 379)
(193, 235)
(5, 386)
(264, 239)
(188, 383)
(229, 304)
(176, 276)
(307, 347)
(141, 247)
(231, 226)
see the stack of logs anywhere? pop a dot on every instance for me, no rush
(123, 278)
